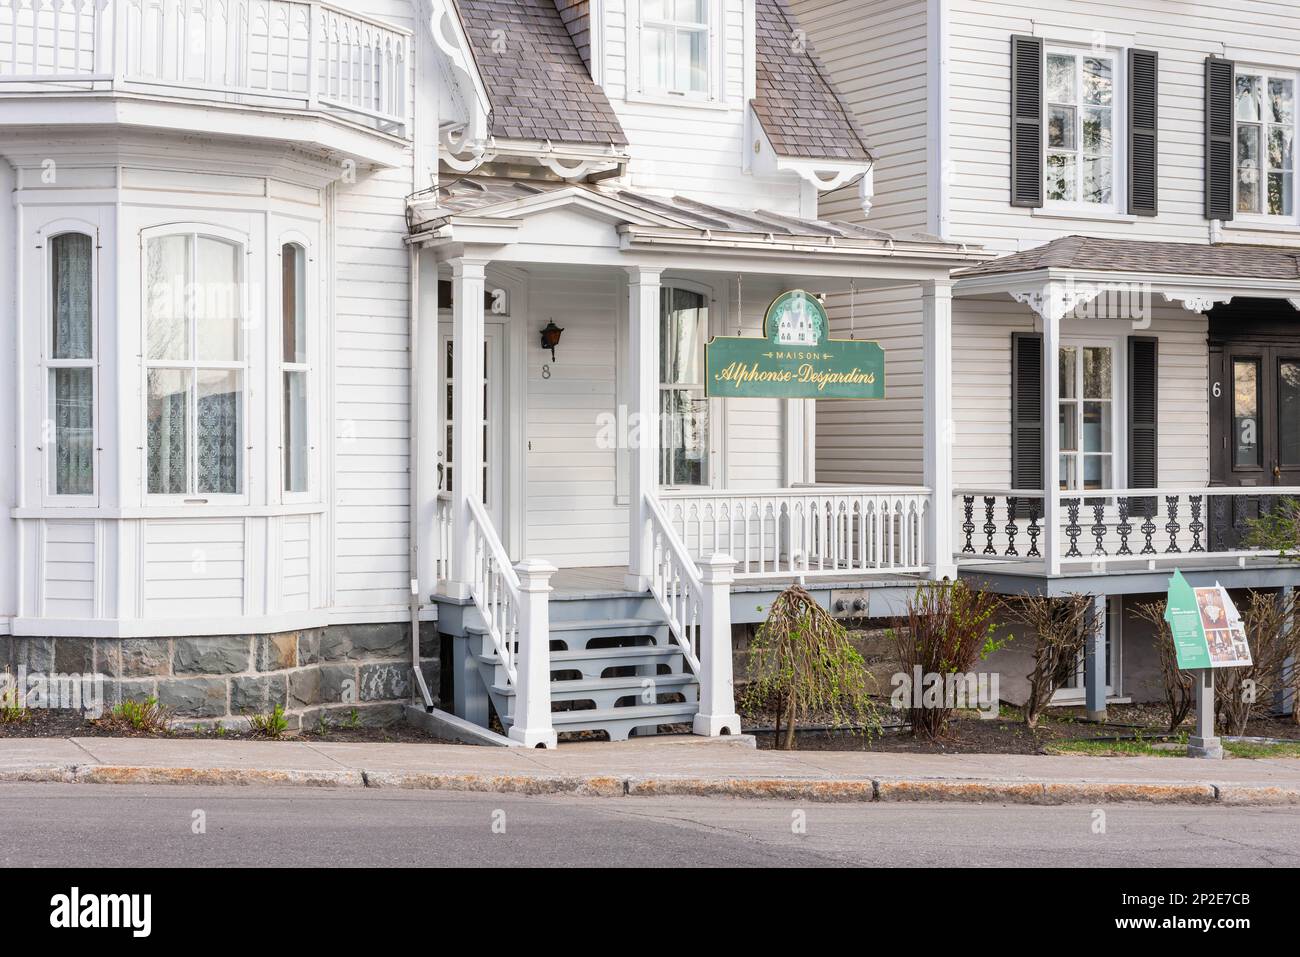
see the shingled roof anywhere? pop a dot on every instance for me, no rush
(1135, 256)
(801, 111)
(539, 86)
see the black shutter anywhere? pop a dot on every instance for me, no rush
(1143, 127)
(1027, 410)
(1143, 429)
(1026, 121)
(1220, 80)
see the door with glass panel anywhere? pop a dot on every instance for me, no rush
(683, 407)
(1086, 416)
(492, 422)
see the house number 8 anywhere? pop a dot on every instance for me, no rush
(546, 370)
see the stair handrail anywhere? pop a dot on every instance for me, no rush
(494, 588)
(676, 583)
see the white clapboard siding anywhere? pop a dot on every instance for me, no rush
(8, 499)
(295, 567)
(194, 569)
(876, 52)
(695, 151)
(1249, 31)
(69, 585)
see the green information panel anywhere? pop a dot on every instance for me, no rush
(795, 359)
(1208, 630)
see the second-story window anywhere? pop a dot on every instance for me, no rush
(675, 47)
(1266, 121)
(195, 367)
(1080, 166)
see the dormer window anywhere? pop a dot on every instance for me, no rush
(676, 47)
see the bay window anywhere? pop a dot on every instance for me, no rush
(195, 365)
(676, 47)
(1081, 128)
(683, 407)
(70, 366)
(1265, 112)
(294, 366)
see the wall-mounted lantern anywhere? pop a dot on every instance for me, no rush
(551, 337)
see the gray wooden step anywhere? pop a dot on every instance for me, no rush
(577, 632)
(620, 722)
(631, 684)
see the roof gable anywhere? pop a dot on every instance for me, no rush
(799, 107)
(536, 79)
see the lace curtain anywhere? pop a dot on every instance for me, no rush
(72, 388)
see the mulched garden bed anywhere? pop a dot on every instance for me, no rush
(1006, 734)
(47, 723)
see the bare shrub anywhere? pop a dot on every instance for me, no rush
(1241, 694)
(1180, 686)
(1060, 628)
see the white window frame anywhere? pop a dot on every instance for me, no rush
(49, 233)
(312, 332)
(1119, 132)
(194, 366)
(637, 90)
(1118, 406)
(714, 442)
(1265, 218)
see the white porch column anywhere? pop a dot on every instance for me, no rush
(936, 322)
(1053, 308)
(643, 414)
(532, 718)
(467, 282)
(717, 712)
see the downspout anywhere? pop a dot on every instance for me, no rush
(413, 536)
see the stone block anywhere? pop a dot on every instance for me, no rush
(193, 697)
(277, 652)
(224, 655)
(385, 682)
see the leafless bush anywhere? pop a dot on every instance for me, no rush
(1060, 628)
(1241, 694)
(1180, 686)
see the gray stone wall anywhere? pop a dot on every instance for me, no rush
(343, 674)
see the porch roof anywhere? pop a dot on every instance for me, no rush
(1093, 254)
(476, 206)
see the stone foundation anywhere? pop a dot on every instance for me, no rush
(344, 673)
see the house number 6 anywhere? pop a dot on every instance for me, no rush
(1217, 390)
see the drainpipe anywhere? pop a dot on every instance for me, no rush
(413, 474)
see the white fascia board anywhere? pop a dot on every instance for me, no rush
(312, 132)
(452, 40)
(1158, 283)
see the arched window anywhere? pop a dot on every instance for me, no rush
(295, 366)
(71, 365)
(195, 365)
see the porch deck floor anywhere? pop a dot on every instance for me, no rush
(608, 582)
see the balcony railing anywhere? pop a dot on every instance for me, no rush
(1157, 527)
(275, 53)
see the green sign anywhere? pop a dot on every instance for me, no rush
(1208, 630)
(795, 359)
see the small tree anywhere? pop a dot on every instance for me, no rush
(948, 627)
(803, 663)
(1060, 628)
(1271, 630)
(1180, 686)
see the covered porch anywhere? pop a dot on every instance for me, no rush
(618, 467)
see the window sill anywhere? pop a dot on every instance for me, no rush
(169, 511)
(1262, 226)
(1095, 216)
(689, 102)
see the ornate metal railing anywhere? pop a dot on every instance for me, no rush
(1157, 525)
(293, 53)
(811, 530)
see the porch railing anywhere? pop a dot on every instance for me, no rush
(442, 536)
(810, 530)
(495, 589)
(677, 585)
(291, 53)
(1158, 526)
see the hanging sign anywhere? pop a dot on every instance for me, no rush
(795, 359)
(1207, 628)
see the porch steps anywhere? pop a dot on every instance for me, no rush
(600, 666)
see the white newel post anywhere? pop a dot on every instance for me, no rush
(717, 714)
(467, 282)
(643, 418)
(1053, 306)
(532, 723)
(936, 321)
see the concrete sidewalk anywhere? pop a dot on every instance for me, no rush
(655, 766)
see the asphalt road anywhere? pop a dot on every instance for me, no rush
(80, 825)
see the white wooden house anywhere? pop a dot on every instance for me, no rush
(255, 248)
(1133, 166)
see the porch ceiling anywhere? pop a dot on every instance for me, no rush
(620, 227)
